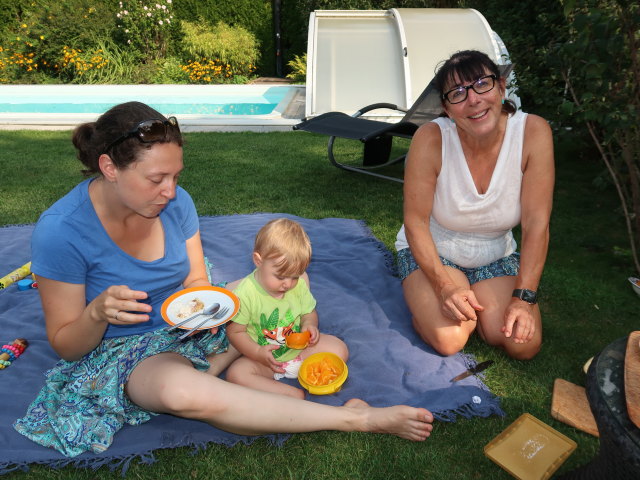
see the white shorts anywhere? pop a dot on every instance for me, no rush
(291, 369)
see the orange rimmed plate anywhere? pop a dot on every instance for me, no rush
(175, 304)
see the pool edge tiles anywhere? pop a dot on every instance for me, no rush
(273, 121)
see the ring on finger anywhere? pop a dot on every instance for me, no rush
(116, 315)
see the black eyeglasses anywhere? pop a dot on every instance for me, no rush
(148, 131)
(459, 94)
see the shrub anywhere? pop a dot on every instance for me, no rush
(39, 29)
(170, 71)
(219, 53)
(601, 67)
(298, 68)
(81, 67)
(254, 16)
(145, 26)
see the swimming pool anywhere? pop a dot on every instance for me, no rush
(197, 107)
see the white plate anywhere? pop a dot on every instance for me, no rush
(172, 306)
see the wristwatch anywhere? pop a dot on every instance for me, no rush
(528, 296)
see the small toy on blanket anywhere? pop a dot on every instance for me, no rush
(17, 274)
(12, 352)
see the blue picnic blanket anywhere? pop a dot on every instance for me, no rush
(359, 299)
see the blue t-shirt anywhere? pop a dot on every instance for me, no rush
(69, 244)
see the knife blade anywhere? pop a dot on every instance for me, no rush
(472, 371)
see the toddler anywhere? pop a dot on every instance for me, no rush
(275, 301)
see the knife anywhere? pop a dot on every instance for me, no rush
(472, 371)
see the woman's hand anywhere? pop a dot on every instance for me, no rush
(119, 305)
(459, 304)
(519, 323)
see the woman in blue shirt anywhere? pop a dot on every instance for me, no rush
(106, 256)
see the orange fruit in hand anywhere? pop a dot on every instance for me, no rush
(298, 341)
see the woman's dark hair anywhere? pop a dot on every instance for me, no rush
(92, 139)
(468, 66)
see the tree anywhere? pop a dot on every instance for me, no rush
(601, 67)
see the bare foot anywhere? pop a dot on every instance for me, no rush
(400, 420)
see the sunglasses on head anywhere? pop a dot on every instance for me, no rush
(148, 131)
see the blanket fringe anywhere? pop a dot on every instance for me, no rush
(468, 411)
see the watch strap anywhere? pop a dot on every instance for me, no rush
(528, 296)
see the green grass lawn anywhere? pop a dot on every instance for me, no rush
(586, 299)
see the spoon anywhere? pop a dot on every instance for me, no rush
(210, 310)
(216, 316)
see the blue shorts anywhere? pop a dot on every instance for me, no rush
(503, 267)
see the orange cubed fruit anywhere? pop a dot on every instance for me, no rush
(321, 373)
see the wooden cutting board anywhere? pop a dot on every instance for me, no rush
(632, 377)
(569, 405)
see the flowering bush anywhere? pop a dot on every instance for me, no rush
(33, 42)
(220, 53)
(76, 63)
(145, 25)
(214, 71)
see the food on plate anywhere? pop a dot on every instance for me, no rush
(189, 308)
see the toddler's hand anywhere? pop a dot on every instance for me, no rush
(315, 333)
(266, 358)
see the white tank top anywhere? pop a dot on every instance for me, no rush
(468, 228)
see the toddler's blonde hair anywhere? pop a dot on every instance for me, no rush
(287, 239)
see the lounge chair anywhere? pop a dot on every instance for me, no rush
(377, 136)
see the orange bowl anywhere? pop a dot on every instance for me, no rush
(324, 363)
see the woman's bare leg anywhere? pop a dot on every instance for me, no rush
(168, 383)
(220, 361)
(495, 295)
(446, 336)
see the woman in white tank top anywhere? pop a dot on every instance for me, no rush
(472, 176)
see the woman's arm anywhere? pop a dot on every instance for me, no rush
(198, 271)
(536, 203)
(75, 328)
(536, 200)
(421, 174)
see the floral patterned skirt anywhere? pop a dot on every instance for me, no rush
(83, 403)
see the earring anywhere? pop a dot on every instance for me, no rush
(503, 101)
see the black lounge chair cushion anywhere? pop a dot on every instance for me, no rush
(338, 124)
